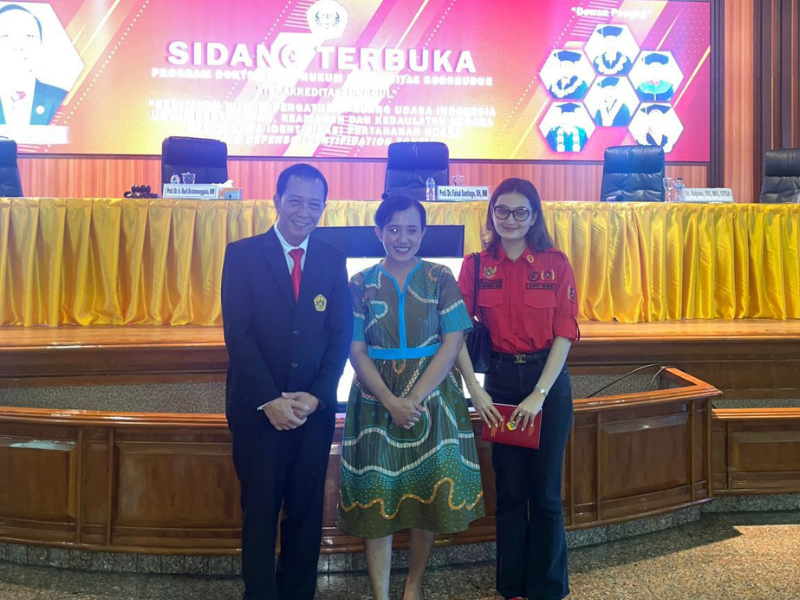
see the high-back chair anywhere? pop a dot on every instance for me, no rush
(633, 173)
(10, 184)
(410, 164)
(207, 159)
(781, 176)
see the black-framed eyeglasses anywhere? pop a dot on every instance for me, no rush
(520, 214)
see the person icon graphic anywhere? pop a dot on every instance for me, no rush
(657, 125)
(24, 98)
(613, 112)
(567, 135)
(569, 85)
(611, 61)
(655, 88)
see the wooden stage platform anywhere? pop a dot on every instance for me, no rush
(106, 479)
(743, 358)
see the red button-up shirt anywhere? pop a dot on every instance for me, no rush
(525, 303)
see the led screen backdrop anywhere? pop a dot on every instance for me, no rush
(526, 79)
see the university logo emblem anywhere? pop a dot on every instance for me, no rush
(489, 272)
(320, 303)
(548, 275)
(327, 19)
(571, 293)
(534, 276)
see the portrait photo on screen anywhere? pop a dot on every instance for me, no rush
(612, 50)
(38, 67)
(656, 125)
(611, 102)
(343, 79)
(567, 127)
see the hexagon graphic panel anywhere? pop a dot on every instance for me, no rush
(611, 102)
(566, 127)
(656, 76)
(612, 50)
(567, 74)
(656, 125)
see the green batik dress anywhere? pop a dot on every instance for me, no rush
(393, 478)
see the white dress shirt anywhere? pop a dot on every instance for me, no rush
(287, 247)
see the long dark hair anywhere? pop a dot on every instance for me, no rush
(537, 238)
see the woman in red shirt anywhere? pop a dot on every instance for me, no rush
(526, 297)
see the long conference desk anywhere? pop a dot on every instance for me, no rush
(115, 437)
(159, 262)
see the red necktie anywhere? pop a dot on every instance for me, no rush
(297, 271)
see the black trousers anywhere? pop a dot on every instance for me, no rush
(282, 469)
(531, 542)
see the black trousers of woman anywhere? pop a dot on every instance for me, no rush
(531, 542)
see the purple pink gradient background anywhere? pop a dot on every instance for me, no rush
(108, 109)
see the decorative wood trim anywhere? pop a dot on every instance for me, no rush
(746, 358)
(598, 492)
(112, 481)
(79, 488)
(718, 106)
(762, 449)
(195, 438)
(776, 79)
(111, 176)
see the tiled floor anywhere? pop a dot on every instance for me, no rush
(723, 556)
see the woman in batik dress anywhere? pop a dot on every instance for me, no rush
(408, 452)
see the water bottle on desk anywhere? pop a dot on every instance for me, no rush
(680, 194)
(430, 190)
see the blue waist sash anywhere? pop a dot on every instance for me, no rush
(402, 353)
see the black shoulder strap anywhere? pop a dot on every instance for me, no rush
(477, 262)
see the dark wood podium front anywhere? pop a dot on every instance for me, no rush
(150, 482)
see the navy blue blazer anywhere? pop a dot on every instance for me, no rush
(276, 344)
(47, 100)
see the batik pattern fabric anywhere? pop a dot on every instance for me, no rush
(394, 478)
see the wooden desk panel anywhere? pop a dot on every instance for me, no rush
(156, 483)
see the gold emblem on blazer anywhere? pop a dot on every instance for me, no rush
(489, 272)
(320, 303)
(530, 258)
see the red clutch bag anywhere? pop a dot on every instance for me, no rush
(507, 433)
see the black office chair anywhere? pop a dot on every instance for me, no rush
(10, 184)
(781, 176)
(411, 163)
(207, 159)
(633, 174)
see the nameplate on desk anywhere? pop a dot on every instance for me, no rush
(710, 195)
(468, 193)
(200, 191)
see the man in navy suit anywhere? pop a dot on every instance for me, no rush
(288, 322)
(24, 99)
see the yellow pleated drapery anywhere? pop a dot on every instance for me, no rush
(159, 262)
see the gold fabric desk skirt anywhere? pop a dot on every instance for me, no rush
(159, 262)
